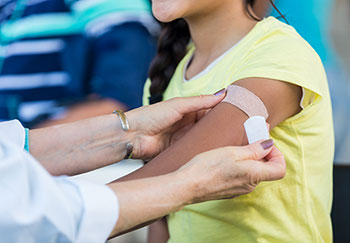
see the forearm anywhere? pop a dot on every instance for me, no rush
(92, 143)
(151, 198)
(221, 127)
(80, 146)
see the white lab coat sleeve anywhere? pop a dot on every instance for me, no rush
(14, 132)
(37, 207)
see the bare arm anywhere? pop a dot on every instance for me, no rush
(81, 146)
(150, 198)
(209, 133)
(216, 174)
(223, 126)
(85, 145)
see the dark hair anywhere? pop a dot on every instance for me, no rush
(172, 47)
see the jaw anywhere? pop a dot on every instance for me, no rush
(165, 10)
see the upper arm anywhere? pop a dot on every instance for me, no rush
(282, 99)
(223, 126)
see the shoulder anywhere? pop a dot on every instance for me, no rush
(276, 51)
(281, 41)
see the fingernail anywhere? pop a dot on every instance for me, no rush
(220, 92)
(267, 144)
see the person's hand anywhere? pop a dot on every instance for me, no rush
(156, 126)
(232, 171)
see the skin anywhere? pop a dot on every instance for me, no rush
(217, 174)
(215, 26)
(78, 147)
(262, 8)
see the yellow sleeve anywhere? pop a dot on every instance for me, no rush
(286, 57)
(146, 93)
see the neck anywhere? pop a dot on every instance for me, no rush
(218, 30)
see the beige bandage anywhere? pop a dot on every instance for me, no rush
(246, 101)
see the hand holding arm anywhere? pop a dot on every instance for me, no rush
(217, 174)
(157, 126)
(89, 144)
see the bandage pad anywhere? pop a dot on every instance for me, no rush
(256, 129)
(246, 101)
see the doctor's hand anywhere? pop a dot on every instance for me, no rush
(156, 126)
(232, 171)
(218, 174)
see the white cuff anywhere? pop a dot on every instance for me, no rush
(13, 131)
(101, 212)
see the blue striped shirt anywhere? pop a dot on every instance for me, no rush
(54, 53)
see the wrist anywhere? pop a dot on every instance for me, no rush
(134, 135)
(197, 181)
(186, 185)
(121, 137)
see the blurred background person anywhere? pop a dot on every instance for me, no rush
(65, 60)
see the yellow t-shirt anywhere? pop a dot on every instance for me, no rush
(297, 208)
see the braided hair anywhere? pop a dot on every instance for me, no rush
(172, 47)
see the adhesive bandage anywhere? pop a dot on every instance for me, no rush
(246, 101)
(255, 126)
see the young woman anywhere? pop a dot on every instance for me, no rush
(208, 45)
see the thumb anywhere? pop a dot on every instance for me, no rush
(275, 166)
(255, 151)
